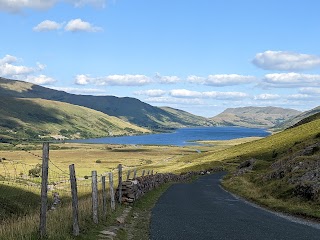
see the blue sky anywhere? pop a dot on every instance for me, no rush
(202, 56)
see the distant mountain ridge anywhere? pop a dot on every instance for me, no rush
(261, 117)
(128, 109)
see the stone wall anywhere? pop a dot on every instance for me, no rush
(133, 189)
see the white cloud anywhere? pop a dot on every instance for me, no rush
(184, 93)
(47, 25)
(19, 72)
(40, 80)
(93, 91)
(291, 80)
(9, 70)
(8, 59)
(151, 92)
(82, 79)
(285, 61)
(15, 6)
(166, 79)
(266, 96)
(310, 91)
(221, 80)
(77, 25)
(114, 80)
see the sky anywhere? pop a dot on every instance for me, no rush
(201, 56)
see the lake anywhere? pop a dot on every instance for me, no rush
(182, 136)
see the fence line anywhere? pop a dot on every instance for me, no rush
(50, 177)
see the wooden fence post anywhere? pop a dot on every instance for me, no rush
(143, 173)
(104, 197)
(148, 172)
(113, 205)
(120, 183)
(44, 190)
(95, 197)
(74, 193)
(135, 174)
(152, 172)
(128, 174)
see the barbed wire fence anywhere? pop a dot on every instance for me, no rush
(61, 183)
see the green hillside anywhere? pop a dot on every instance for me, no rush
(39, 118)
(188, 118)
(298, 118)
(261, 117)
(128, 109)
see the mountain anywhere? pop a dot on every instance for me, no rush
(188, 118)
(291, 122)
(38, 118)
(261, 117)
(128, 109)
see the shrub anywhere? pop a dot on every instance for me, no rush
(98, 161)
(35, 172)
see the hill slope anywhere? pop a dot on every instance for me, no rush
(264, 117)
(128, 109)
(25, 118)
(188, 118)
(298, 118)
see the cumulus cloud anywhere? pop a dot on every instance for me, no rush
(151, 92)
(77, 25)
(9, 69)
(47, 25)
(40, 80)
(221, 80)
(166, 79)
(114, 80)
(285, 61)
(266, 96)
(15, 6)
(184, 93)
(291, 80)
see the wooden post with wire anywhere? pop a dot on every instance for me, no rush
(120, 183)
(104, 197)
(74, 193)
(44, 190)
(135, 174)
(128, 174)
(113, 205)
(95, 197)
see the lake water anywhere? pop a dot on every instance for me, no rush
(182, 136)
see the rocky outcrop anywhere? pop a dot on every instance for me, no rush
(301, 170)
(245, 166)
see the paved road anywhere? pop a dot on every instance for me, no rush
(203, 210)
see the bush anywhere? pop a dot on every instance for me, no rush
(98, 161)
(36, 171)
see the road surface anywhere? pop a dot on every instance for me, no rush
(203, 210)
